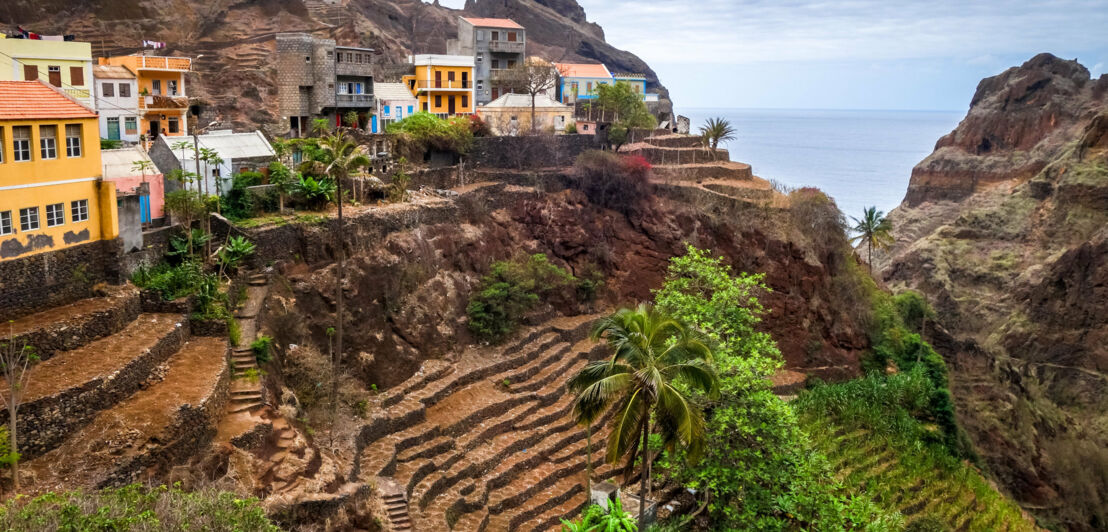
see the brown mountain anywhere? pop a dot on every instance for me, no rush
(1005, 229)
(233, 40)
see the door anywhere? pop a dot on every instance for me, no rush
(450, 104)
(465, 80)
(155, 129)
(450, 79)
(144, 208)
(113, 128)
(438, 79)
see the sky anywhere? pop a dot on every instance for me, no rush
(852, 54)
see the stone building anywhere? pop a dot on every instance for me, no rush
(318, 79)
(495, 44)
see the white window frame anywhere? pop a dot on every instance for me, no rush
(55, 214)
(156, 87)
(21, 145)
(124, 87)
(28, 219)
(130, 119)
(48, 145)
(107, 89)
(78, 211)
(6, 226)
(73, 142)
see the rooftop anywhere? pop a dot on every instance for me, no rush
(542, 101)
(120, 163)
(229, 145)
(583, 70)
(493, 23)
(441, 60)
(111, 72)
(27, 100)
(392, 91)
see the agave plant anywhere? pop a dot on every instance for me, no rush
(229, 256)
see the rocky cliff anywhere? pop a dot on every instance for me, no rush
(1005, 229)
(233, 41)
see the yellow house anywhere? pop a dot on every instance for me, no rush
(443, 84)
(52, 195)
(66, 65)
(163, 102)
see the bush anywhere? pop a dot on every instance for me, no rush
(263, 349)
(818, 218)
(171, 282)
(315, 194)
(421, 132)
(514, 287)
(571, 129)
(478, 126)
(612, 181)
(135, 508)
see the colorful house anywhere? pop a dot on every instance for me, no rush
(638, 84)
(66, 65)
(579, 81)
(496, 44)
(52, 195)
(394, 102)
(442, 84)
(122, 168)
(116, 90)
(162, 100)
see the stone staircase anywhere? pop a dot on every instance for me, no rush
(130, 393)
(486, 443)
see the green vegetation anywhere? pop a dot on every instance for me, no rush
(513, 287)
(717, 130)
(656, 362)
(422, 132)
(109, 144)
(315, 193)
(231, 255)
(134, 508)
(596, 519)
(263, 348)
(625, 108)
(874, 230)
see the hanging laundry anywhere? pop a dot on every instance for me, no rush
(52, 38)
(69, 38)
(153, 44)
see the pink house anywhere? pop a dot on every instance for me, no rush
(124, 168)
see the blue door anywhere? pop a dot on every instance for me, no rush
(373, 120)
(144, 208)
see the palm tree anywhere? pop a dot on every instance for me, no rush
(346, 156)
(874, 230)
(650, 352)
(716, 130)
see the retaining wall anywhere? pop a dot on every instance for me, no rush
(532, 151)
(59, 336)
(34, 283)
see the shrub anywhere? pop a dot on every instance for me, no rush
(478, 126)
(571, 129)
(171, 282)
(263, 348)
(511, 288)
(421, 132)
(818, 218)
(231, 255)
(613, 181)
(315, 194)
(398, 188)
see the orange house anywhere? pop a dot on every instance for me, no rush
(162, 100)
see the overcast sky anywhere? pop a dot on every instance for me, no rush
(855, 54)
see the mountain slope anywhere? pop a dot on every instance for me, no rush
(1005, 229)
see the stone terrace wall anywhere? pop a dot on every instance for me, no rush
(532, 151)
(61, 336)
(31, 284)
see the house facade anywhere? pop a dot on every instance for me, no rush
(579, 81)
(394, 102)
(122, 168)
(52, 195)
(240, 152)
(116, 90)
(495, 44)
(510, 114)
(162, 99)
(318, 79)
(442, 84)
(637, 82)
(66, 65)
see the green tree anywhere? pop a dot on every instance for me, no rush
(281, 177)
(625, 108)
(210, 158)
(654, 358)
(186, 206)
(716, 130)
(142, 166)
(873, 230)
(15, 364)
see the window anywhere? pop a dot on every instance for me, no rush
(55, 75)
(2, 145)
(215, 172)
(574, 87)
(28, 219)
(6, 223)
(480, 84)
(124, 90)
(73, 140)
(130, 124)
(399, 112)
(511, 63)
(174, 124)
(438, 100)
(588, 88)
(77, 76)
(55, 214)
(511, 36)
(357, 58)
(495, 64)
(172, 86)
(465, 101)
(48, 141)
(30, 72)
(480, 58)
(386, 110)
(21, 143)
(78, 210)
(410, 109)
(349, 57)
(495, 36)
(157, 84)
(307, 59)
(108, 89)
(480, 35)
(331, 53)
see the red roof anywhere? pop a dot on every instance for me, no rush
(493, 23)
(28, 100)
(577, 70)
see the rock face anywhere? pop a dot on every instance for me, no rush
(1005, 229)
(235, 75)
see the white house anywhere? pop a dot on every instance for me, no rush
(394, 102)
(241, 152)
(116, 90)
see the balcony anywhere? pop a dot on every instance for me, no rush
(444, 85)
(511, 47)
(354, 100)
(157, 101)
(343, 68)
(180, 64)
(80, 94)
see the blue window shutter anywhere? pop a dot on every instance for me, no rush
(386, 110)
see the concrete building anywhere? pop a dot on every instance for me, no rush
(495, 44)
(162, 99)
(116, 90)
(318, 79)
(443, 84)
(241, 152)
(123, 168)
(510, 114)
(394, 102)
(638, 84)
(66, 65)
(579, 81)
(52, 195)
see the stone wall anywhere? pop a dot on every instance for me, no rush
(38, 282)
(533, 151)
(155, 243)
(47, 421)
(65, 335)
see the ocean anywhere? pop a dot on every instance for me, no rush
(860, 158)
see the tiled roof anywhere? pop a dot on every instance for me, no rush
(26, 100)
(493, 23)
(577, 70)
(111, 72)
